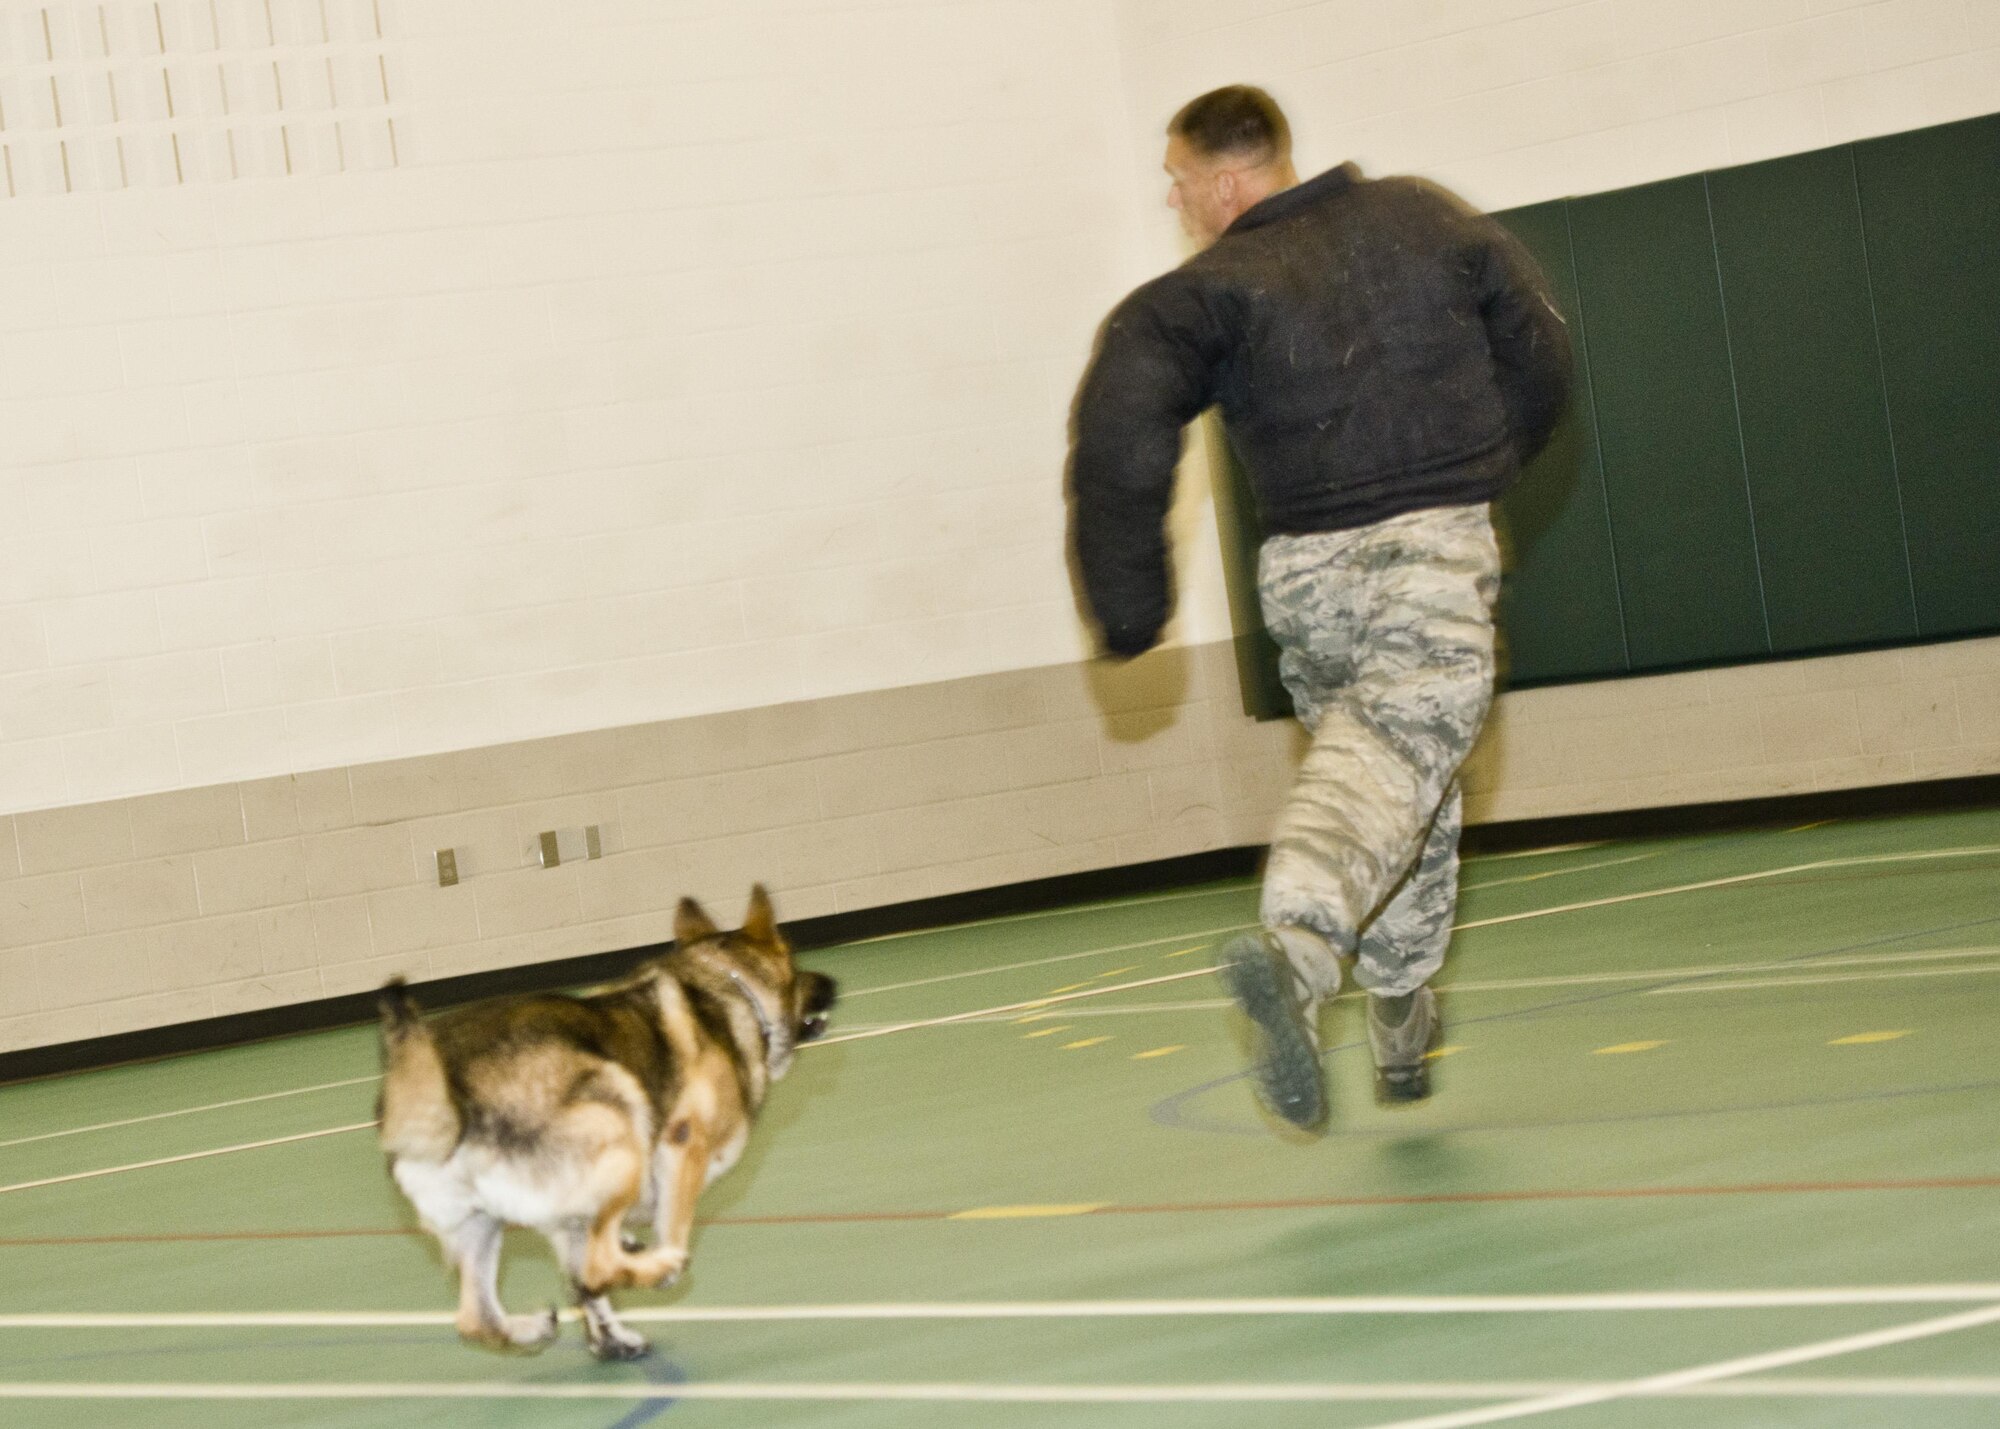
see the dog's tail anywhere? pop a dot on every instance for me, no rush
(415, 1108)
(400, 1014)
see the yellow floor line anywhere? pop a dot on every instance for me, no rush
(1024, 1213)
(1862, 1038)
(1159, 1052)
(1622, 1047)
(1085, 1042)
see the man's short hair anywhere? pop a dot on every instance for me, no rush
(1236, 121)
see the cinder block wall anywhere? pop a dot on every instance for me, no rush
(171, 907)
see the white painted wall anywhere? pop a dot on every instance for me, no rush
(1515, 101)
(678, 357)
(626, 359)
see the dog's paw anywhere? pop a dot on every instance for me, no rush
(659, 1267)
(612, 1342)
(609, 1339)
(524, 1334)
(630, 1243)
(531, 1333)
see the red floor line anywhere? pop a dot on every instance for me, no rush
(1309, 1203)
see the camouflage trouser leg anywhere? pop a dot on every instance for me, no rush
(1386, 635)
(1404, 946)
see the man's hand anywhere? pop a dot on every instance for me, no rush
(1128, 643)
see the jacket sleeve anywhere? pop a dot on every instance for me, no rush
(1153, 373)
(1528, 337)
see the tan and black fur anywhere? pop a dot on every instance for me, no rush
(572, 1114)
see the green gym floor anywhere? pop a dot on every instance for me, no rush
(1716, 1141)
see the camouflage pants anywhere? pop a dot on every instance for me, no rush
(1386, 635)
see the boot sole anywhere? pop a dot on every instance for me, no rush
(1287, 1069)
(1402, 1086)
(1399, 1086)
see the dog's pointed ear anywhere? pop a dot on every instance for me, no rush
(760, 924)
(691, 924)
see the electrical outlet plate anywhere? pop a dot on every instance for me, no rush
(560, 846)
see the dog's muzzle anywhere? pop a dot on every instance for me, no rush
(820, 991)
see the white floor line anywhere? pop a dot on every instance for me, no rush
(1480, 923)
(1039, 1002)
(1813, 867)
(1927, 1387)
(988, 1012)
(1883, 976)
(1215, 1004)
(1536, 852)
(187, 1156)
(807, 1390)
(1196, 935)
(1525, 984)
(1705, 1374)
(1235, 887)
(1054, 1000)
(1536, 1303)
(1710, 970)
(1241, 886)
(802, 1390)
(1061, 999)
(189, 1111)
(1564, 872)
(845, 996)
(1131, 1009)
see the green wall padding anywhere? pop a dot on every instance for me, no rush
(1651, 307)
(1930, 206)
(1814, 424)
(1785, 432)
(1556, 529)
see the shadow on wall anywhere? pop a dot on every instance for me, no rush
(1140, 698)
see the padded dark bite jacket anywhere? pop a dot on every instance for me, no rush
(1375, 347)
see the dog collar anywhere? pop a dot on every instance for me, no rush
(764, 1027)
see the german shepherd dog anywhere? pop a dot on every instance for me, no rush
(569, 1114)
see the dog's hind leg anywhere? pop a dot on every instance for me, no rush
(609, 1337)
(682, 1169)
(475, 1245)
(608, 1262)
